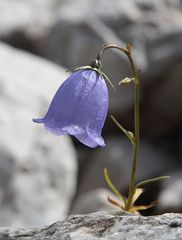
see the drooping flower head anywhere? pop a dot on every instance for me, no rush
(79, 107)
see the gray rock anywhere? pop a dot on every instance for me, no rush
(163, 114)
(104, 226)
(170, 196)
(152, 29)
(93, 201)
(117, 158)
(37, 170)
(27, 14)
(24, 23)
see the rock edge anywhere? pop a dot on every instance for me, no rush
(104, 225)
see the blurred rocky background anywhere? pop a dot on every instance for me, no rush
(43, 178)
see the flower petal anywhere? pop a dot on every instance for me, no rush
(90, 140)
(79, 108)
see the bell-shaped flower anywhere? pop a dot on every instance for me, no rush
(79, 107)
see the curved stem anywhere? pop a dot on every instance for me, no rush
(127, 51)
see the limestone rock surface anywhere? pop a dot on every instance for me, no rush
(37, 169)
(104, 226)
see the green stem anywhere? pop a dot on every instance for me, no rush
(136, 144)
(136, 119)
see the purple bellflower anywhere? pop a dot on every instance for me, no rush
(79, 107)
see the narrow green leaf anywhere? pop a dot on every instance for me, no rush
(152, 180)
(112, 187)
(143, 207)
(115, 203)
(129, 134)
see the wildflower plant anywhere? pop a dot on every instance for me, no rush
(79, 108)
